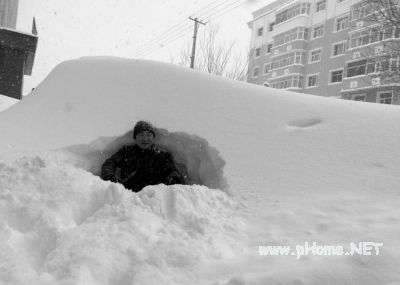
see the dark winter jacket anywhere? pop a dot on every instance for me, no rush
(136, 168)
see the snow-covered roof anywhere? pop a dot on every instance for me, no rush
(18, 31)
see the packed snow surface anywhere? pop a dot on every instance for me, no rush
(267, 167)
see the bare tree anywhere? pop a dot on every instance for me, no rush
(382, 17)
(215, 57)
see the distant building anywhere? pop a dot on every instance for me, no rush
(17, 50)
(319, 47)
(8, 13)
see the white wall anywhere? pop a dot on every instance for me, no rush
(25, 15)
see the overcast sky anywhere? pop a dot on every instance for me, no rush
(71, 29)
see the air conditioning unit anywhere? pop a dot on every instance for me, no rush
(286, 72)
(378, 49)
(376, 81)
(276, 51)
(274, 74)
(360, 24)
(289, 47)
(353, 84)
(356, 54)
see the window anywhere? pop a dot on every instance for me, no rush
(359, 97)
(385, 97)
(371, 35)
(356, 68)
(260, 31)
(288, 59)
(269, 48)
(267, 67)
(271, 26)
(318, 31)
(375, 35)
(361, 10)
(291, 35)
(374, 65)
(293, 81)
(342, 23)
(255, 71)
(337, 76)
(394, 64)
(321, 5)
(315, 55)
(312, 80)
(303, 8)
(387, 33)
(258, 52)
(339, 49)
(371, 67)
(302, 33)
(359, 38)
(382, 64)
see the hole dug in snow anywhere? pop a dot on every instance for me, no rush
(202, 162)
(305, 123)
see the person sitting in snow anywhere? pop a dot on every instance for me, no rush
(143, 163)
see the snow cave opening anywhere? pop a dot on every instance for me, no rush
(203, 162)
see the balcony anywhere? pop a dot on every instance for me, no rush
(292, 82)
(295, 16)
(298, 33)
(284, 72)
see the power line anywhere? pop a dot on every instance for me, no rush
(166, 42)
(224, 11)
(175, 28)
(174, 34)
(200, 15)
(164, 36)
(209, 5)
(178, 27)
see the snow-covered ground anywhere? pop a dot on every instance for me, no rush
(279, 168)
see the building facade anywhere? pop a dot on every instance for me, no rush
(17, 50)
(8, 13)
(321, 47)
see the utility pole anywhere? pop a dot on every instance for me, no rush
(196, 27)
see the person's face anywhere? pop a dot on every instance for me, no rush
(144, 139)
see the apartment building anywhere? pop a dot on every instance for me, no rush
(322, 47)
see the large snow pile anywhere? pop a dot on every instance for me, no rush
(277, 168)
(60, 223)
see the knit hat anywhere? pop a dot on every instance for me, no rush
(143, 126)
